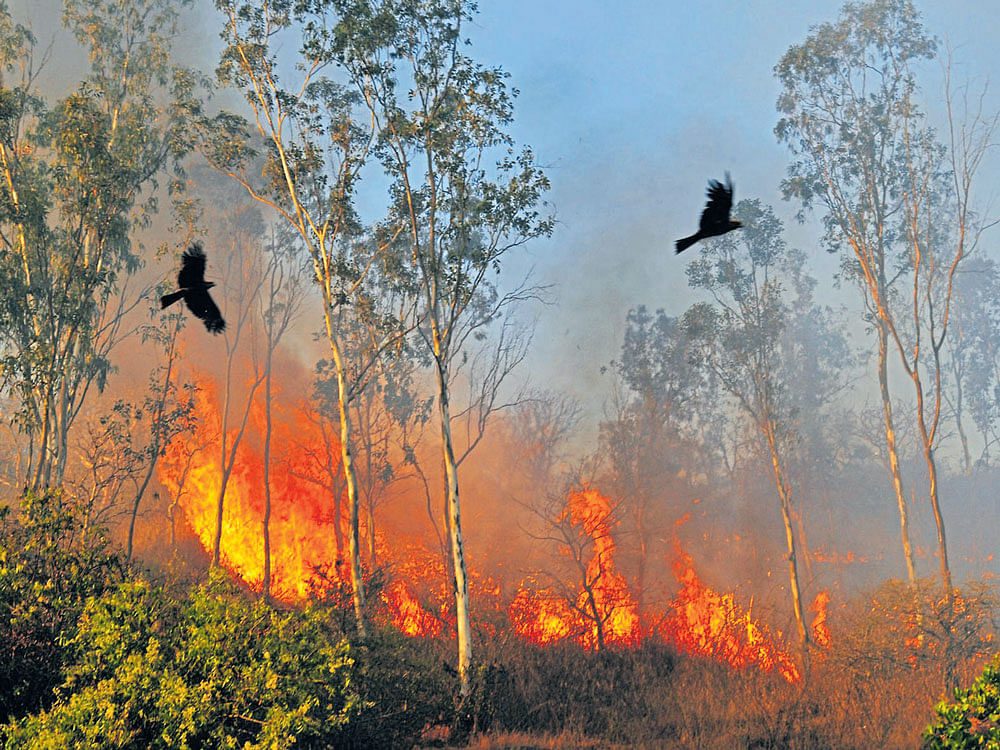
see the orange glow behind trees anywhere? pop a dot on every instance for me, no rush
(303, 512)
(597, 611)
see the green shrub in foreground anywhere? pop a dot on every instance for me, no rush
(48, 571)
(973, 719)
(213, 670)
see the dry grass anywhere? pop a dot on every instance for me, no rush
(874, 688)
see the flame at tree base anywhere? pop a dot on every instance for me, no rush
(308, 525)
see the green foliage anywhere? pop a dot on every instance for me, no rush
(77, 181)
(213, 670)
(846, 97)
(476, 194)
(47, 572)
(973, 719)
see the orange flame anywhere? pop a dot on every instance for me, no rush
(704, 622)
(601, 607)
(307, 519)
(303, 511)
(407, 614)
(818, 627)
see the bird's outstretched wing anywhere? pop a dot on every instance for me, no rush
(192, 273)
(203, 306)
(720, 203)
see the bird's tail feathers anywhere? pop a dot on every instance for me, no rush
(684, 244)
(168, 299)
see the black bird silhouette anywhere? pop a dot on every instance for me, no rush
(715, 218)
(194, 290)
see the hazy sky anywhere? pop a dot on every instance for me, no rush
(633, 105)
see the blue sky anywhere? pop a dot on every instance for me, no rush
(633, 106)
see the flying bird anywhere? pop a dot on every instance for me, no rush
(715, 218)
(193, 289)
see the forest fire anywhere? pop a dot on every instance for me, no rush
(704, 622)
(601, 610)
(407, 614)
(307, 531)
(303, 526)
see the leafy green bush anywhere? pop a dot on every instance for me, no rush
(973, 720)
(48, 570)
(214, 670)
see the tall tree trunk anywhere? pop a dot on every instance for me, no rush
(784, 495)
(454, 518)
(347, 464)
(266, 583)
(938, 518)
(927, 437)
(893, 453)
(227, 463)
(354, 536)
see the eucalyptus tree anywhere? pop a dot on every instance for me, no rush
(896, 200)
(77, 181)
(281, 57)
(284, 277)
(465, 192)
(656, 416)
(744, 339)
(974, 361)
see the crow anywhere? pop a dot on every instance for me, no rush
(715, 218)
(193, 289)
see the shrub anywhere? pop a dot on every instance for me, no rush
(214, 670)
(404, 688)
(47, 573)
(973, 719)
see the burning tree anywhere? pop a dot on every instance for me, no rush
(648, 438)
(742, 340)
(589, 602)
(314, 149)
(120, 450)
(284, 277)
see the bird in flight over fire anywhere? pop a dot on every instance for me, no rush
(715, 218)
(193, 289)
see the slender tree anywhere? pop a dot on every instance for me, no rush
(76, 181)
(742, 338)
(244, 282)
(649, 432)
(168, 406)
(842, 119)
(314, 147)
(464, 192)
(895, 199)
(279, 307)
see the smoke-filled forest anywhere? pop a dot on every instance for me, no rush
(295, 451)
